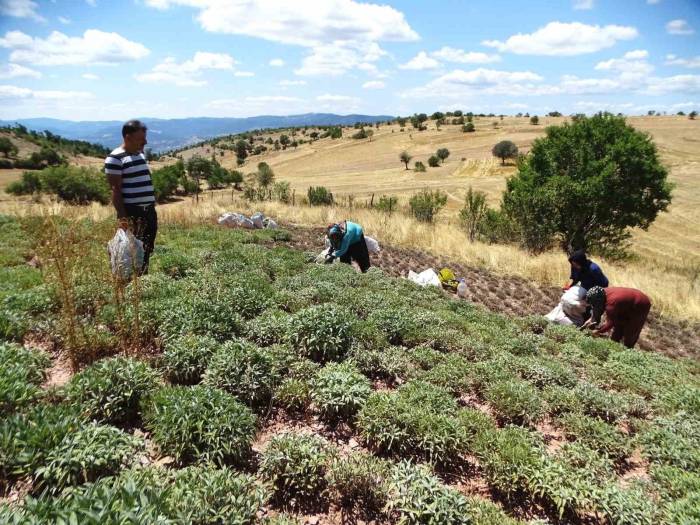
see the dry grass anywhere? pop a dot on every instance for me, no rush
(667, 257)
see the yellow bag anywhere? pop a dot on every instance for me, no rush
(448, 279)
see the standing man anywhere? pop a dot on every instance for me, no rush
(132, 188)
(626, 311)
(348, 244)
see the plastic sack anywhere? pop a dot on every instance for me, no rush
(372, 245)
(571, 307)
(425, 278)
(236, 220)
(258, 220)
(270, 224)
(558, 316)
(125, 254)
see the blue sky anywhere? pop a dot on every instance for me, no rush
(99, 59)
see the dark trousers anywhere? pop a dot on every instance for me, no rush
(357, 252)
(143, 222)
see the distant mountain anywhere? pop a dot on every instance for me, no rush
(165, 134)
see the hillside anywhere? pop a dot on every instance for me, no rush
(167, 134)
(266, 389)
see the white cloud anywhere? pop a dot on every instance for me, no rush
(636, 54)
(309, 23)
(335, 98)
(257, 105)
(338, 58)
(673, 60)
(95, 47)
(679, 27)
(64, 20)
(374, 84)
(633, 65)
(90, 76)
(292, 83)
(187, 73)
(244, 74)
(420, 62)
(20, 9)
(564, 39)
(14, 92)
(91, 3)
(653, 2)
(460, 84)
(15, 70)
(583, 4)
(276, 62)
(674, 84)
(450, 54)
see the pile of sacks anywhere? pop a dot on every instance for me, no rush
(257, 221)
(571, 308)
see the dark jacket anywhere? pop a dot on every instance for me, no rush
(589, 275)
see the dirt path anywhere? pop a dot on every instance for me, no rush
(510, 295)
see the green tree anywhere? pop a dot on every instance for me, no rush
(280, 191)
(427, 204)
(473, 212)
(199, 168)
(362, 134)
(468, 127)
(438, 115)
(7, 147)
(534, 120)
(241, 148)
(264, 176)
(335, 132)
(405, 158)
(692, 115)
(319, 196)
(419, 167)
(235, 177)
(433, 161)
(165, 181)
(387, 204)
(284, 140)
(506, 149)
(586, 184)
(442, 154)
(401, 122)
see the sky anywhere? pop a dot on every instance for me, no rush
(104, 60)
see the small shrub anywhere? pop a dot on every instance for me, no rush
(268, 328)
(473, 424)
(416, 497)
(244, 370)
(90, 452)
(22, 371)
(597, 402)
(185, 359)
(596, 434)
(319, 196)
(293, 394)
(296, 466)
(111, 389)
(672, 441)
(199, 423)
(468, 128)
(340, 390)
(427, 204)
(561, 400)
(359, 479)
(419, 167)
(321, 333)
(515, 402)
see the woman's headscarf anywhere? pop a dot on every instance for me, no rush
(579, 257)
(596, 297)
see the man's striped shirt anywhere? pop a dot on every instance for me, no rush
(137, 186)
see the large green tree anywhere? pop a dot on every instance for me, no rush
(586, 184)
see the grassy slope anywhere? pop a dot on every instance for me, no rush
(640, 410)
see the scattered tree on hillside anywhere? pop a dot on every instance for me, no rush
(241, 149)
(427, 204)
(335, 132)
(417, 121)
(554, 114)
(586, 184)
(362, 134)
(419, 167)
(505, 149)
(438, 115)
(7, 147)
(534, 120)
(314, 135)
(405, 158)
(468, 127)
(199, 168)
(692, 115)
(457, 113)
(433, 161)
(319, 196)
(473, 212)
(264, 176)
(370, 133)
(387, 204)
(401, 122)
(442, 154)
(284, 140)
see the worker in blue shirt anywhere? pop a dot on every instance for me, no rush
(348, 244)
(585, 272)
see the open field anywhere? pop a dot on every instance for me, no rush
(238, 382)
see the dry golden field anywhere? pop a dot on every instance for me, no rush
(666, 262)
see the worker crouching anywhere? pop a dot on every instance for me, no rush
(626, 311)
(348, 244)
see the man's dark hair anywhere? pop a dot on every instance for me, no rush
(132, 126)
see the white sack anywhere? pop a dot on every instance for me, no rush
(258, 220)
(236, 220)
(372, 245)
(558, 316)
(425, 278)
(125, 254)
(270, 224)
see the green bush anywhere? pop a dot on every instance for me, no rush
(417, 497)
(433, 161)
(396, 323)
(293, 394)
(515, 402)
(296, 466)
(26, 438)
(596, 434)
(319, 196)
(672, 441)
(427, 204)
(359, 479)
(268, 328)
(199, 423)
(22, 371)
(88, 453)
(244, 370)
(186, 358)
(340, 390)
(419, 167)
(416, 420)
(321, 333)
(75, 185)
(111, 389)
(485, 512)
(543, 372)
(468, 127)
(596, 402)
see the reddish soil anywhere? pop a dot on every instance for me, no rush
(510, 295)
